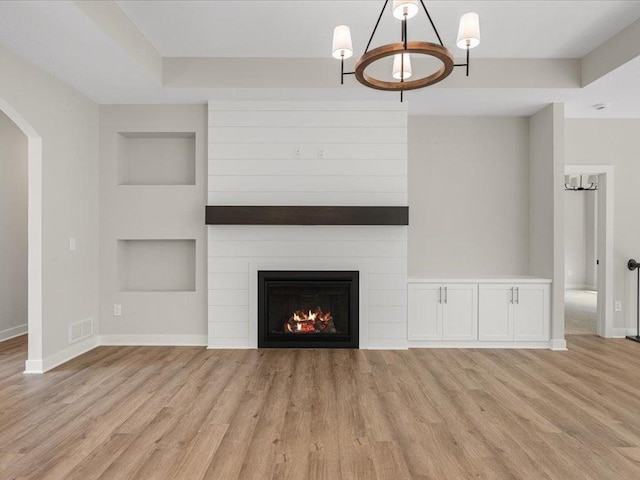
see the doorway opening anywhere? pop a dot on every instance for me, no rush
(588, 203)
(34, 363)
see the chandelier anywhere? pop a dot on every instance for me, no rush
(575, 184)
(403, 10)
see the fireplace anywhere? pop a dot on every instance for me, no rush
(308, 309)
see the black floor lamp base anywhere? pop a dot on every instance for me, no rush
(635, 338)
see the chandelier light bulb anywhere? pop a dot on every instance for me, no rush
(405, 8)
(398, 64)
(342, 46)
(469, 31)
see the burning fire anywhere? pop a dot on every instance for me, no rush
(311, 321)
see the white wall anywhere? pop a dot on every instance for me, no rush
(152, 212)
(252, 161)
(68, 125)
(617, 143)
(13, 229)
(468, 196)
(546, 208)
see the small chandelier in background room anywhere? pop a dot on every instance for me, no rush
(403, 10)
(576, 184)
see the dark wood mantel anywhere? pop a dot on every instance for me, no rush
(303, 215)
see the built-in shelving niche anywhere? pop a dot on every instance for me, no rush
(156, 158)
(156, 265)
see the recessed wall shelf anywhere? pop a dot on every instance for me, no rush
(156, 265)
(306, 215)
(156, 158)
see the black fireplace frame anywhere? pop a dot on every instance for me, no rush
(309, 341)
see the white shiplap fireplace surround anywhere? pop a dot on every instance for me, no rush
(307, 153)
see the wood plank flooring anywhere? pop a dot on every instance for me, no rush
(189, 413)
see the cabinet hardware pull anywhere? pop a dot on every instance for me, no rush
(511, 297)
(446, 295)
(440, 295)
(518, 295)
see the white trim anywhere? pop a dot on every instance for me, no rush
(447, 344)
(621, 332)
(606, 291)
(34, 221)
(13, 332)
(154, 340)
(558, 344)
(69, 353)
(316, 264)
(387, 344)
(580, 286)
(497, 279)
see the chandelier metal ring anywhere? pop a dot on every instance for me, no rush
(422, 48)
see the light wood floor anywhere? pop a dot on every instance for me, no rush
(189, 413)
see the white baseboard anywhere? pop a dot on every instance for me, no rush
(623, 332)
(69, 353)
(386, 344)
(620, 332)
(228, 343)
(579, 286)
(558, 345)
(13, 332)
(154, 340)
(479, 344)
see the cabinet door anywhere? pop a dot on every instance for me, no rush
(424, 312)
(531, 313)
(495, 313)
(460, 312)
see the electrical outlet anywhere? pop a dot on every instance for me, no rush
(72, 244)
(117, 310)
(618, 306)
(297, 152)
(320, 153)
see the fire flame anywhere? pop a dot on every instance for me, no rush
(310, 321)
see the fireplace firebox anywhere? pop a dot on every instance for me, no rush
(308, 309)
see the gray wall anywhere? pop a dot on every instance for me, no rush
(580, 239)
(156, 200)
(468, 196)
(546, 207)
(617, 143)
(68, 124)
(13, 229)
(575, 239)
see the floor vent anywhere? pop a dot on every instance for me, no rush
(80, 330)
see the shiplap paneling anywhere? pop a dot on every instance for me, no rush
(280, 151)
(308, 198)
(307, 153)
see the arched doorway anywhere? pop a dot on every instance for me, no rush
(34, 228)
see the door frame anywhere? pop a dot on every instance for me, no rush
(34, 228)
(604, 242)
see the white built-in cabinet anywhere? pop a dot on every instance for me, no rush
(479, 312)
(443, 312)
(514, 312)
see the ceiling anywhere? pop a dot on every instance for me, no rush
(304, 28)
(64, 40)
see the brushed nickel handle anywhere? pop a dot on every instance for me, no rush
(446, 295)
(440, 295)
(511, 298)
(518, 295)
